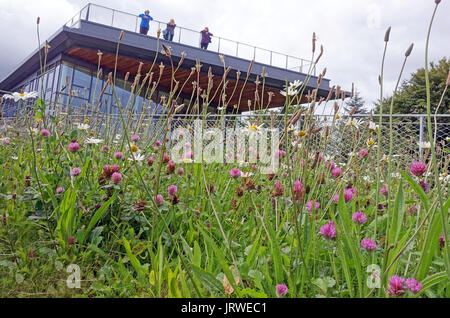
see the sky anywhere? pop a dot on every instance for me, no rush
(351, 31)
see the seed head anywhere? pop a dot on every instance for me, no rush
(314, 42)
(320, 54)
(386, 35)
(409, 50)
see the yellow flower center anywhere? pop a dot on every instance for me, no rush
(22, 95)
(86, 120)
(39, 120)
(371, 142)
(253, 128)
(301, 133)
(134, 148)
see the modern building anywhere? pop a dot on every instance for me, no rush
(72, 64)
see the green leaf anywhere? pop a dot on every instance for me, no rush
(397, 216)
(208, 280)
(253, 293)
(221, 259)
(97, 216)
(197, 255)
(345, 233)
(430, 281)
(418, 190)
(142, 271)
(275, 251)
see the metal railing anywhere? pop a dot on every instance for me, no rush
(409, 130)
(130, 22)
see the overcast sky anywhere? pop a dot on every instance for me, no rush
(351, 31)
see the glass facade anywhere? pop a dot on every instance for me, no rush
(66, 83)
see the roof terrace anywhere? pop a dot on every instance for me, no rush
(130, 22)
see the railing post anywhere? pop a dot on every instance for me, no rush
(87, 11)
(218, 46)
(137, 21)
(254, 53)
(421, 137)
(237, 49)
(270, 58)
(287, 57)
(112, 18)
(179, 36)
(301, 66)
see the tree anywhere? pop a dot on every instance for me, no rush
(411, 97)
(358, 102)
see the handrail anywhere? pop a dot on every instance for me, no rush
(302, 62)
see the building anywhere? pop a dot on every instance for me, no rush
(71, 74)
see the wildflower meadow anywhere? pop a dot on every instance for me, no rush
(192, 204)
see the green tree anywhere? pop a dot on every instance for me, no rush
(358, 102)
(411, 97)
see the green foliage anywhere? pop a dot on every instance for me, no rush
(356, 101)
(411, 97)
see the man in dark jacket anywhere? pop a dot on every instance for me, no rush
(145, 23)
(206, 38)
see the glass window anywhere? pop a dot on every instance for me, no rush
(51, 75)
(78, 102)
(62, 99)
(65, 78)
(56, 78)
(82, 77)
(44, 83)
(97, 85)
(38, 84)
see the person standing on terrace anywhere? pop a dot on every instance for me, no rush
(145, 22)
(170, 30)
(206, 38)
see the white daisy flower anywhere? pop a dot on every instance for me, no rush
(252, 128)
(424, 145)
(354, 122)
(137, 157)
(93, 141)
(20, 96)
(444, 177)
(291, 90)
(373, 126)
(81, 126)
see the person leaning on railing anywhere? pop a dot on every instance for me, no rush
(145, 22)
(170, 30)
(206, 38)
